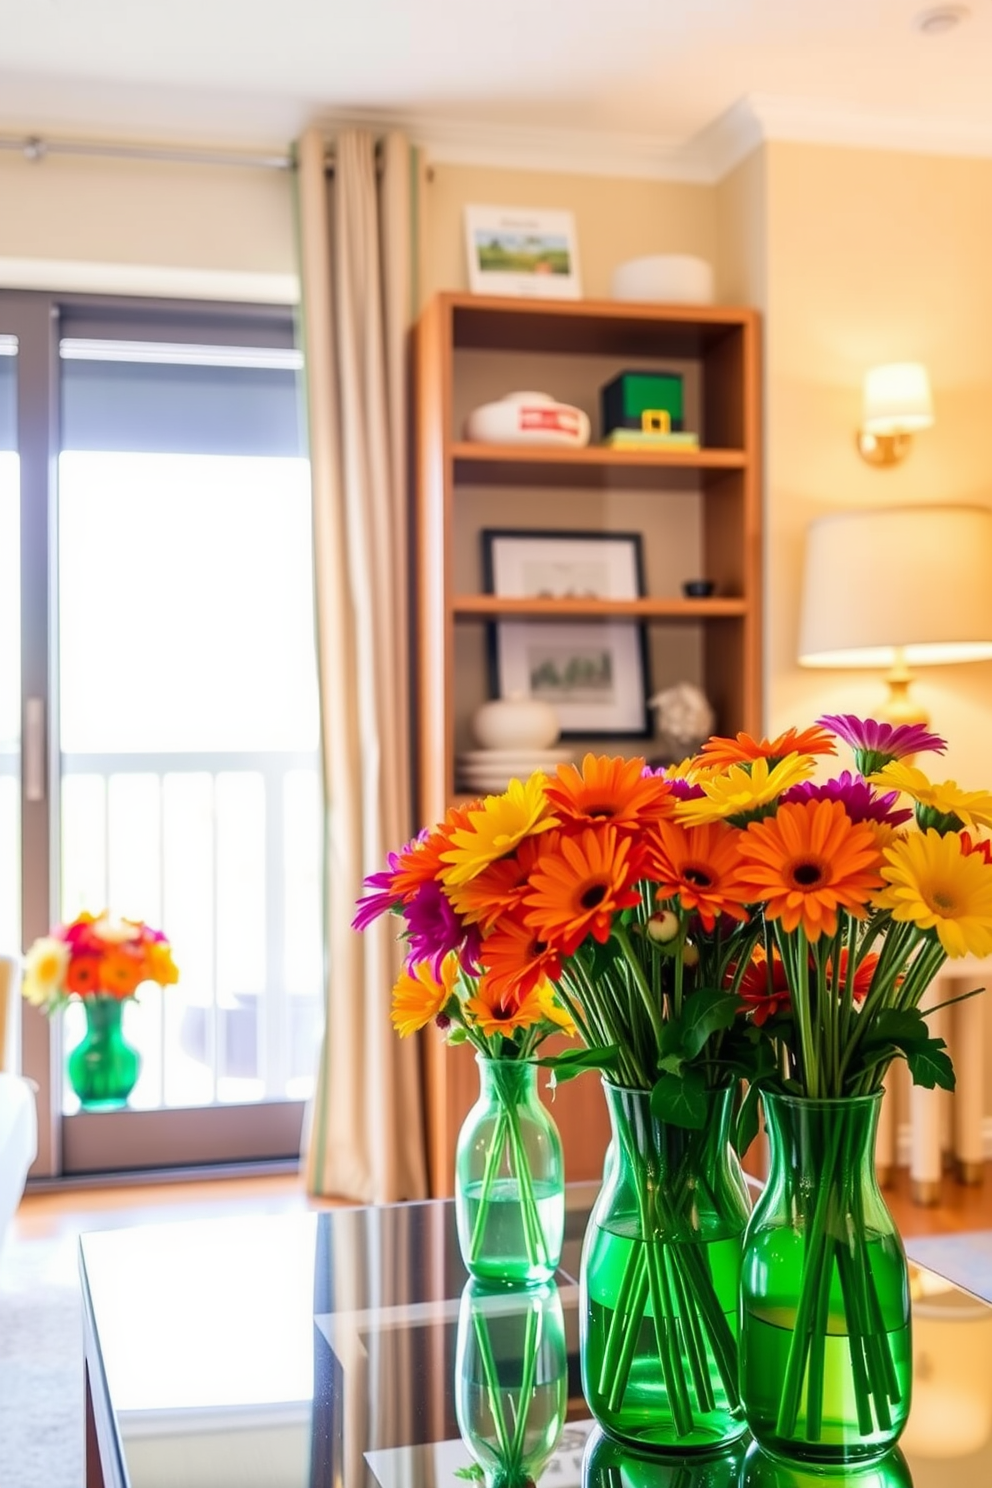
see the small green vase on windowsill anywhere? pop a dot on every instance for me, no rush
(103, 1068)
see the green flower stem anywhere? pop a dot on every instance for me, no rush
(493, 1159)
(622, 1340)
(531, 1342)
(637, 975)
(536, 1252)
(491, 1373)
(835, 1232)
(686, 1310)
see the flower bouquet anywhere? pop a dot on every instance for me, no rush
(858, 912)
(100, 962)
(509, 1178)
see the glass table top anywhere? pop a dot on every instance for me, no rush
(348, 1348)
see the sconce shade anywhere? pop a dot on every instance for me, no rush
(910, 585)
(896, 399)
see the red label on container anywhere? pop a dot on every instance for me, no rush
(556, 420)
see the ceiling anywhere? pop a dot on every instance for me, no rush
(636, 81)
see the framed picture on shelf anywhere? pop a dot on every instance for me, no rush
(517, 251)
(594, 672)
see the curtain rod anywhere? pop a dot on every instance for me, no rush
(33, 147)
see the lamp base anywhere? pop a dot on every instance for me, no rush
(883, 449)
(899, 706)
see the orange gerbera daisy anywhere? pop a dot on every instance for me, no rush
(719, 753)
(418, 997)
(515, 958)
(121, 972)
(763, 988)
(580, 883)
(498, 890)
(700, 866)
(83, 976)
(420, 860)
(498, 1010)
(863, 973)
(608, 789)
(808, 861)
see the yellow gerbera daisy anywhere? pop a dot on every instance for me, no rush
(45, 966)
(934, 882)
(418, 998)
(944, 801)
(495, 828)
(741, 792)
(551, 1010)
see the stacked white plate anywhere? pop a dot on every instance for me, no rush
(488, 771)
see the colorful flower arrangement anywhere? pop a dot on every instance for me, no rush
(726, 919)
(95, 956)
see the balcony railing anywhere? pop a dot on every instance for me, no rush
(223, 852)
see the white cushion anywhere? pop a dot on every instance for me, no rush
(18, 1142)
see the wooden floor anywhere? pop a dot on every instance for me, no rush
(64, 1212)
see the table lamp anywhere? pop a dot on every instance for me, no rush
(895, 589)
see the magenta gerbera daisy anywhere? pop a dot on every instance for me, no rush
(434, 930)
(859, 799)
(383, 897)
(875, 742)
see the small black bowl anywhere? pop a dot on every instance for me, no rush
(698, 588)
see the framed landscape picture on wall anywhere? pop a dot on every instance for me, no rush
(518, 251)
(594, 672)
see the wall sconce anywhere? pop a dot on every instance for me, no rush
(895, 404)
(895, 589)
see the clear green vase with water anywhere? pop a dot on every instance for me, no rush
(659, 1276)
(509, 1179)
(103, 1068)
(826, 1355)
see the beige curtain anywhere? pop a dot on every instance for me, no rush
(364, 1137)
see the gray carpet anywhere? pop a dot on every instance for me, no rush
(41, 1365)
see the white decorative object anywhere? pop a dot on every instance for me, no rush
(516, 723)
(683, 717)
(519, 251)
(527, 418)
(666, 278)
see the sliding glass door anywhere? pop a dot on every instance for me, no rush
(181, 701)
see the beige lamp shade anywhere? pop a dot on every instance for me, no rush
(896, 399)
(911, 585)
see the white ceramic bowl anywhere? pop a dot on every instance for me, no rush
(519, 723)
(665, 278)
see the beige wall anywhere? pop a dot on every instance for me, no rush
(873, 257)
(79, 222)
(615, 219)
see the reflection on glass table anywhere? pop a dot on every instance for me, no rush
(345, 1350)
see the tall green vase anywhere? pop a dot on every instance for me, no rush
(826, 1358)
(509, 1179)
(659, 1276)
(103, 1068)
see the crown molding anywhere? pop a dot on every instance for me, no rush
(705, 158)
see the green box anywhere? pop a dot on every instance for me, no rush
(632, 397)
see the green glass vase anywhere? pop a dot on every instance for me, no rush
(763, 1471)
(659, 1275)
(612, 1464)
(826, 1359)
(509, 1179)
(511, 1380)
(103, 1067)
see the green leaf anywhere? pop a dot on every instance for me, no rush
(573, 1062)
(681, 1100)
(930, 1065)
(902, 1027)
(707, 1011)
(603, 957)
